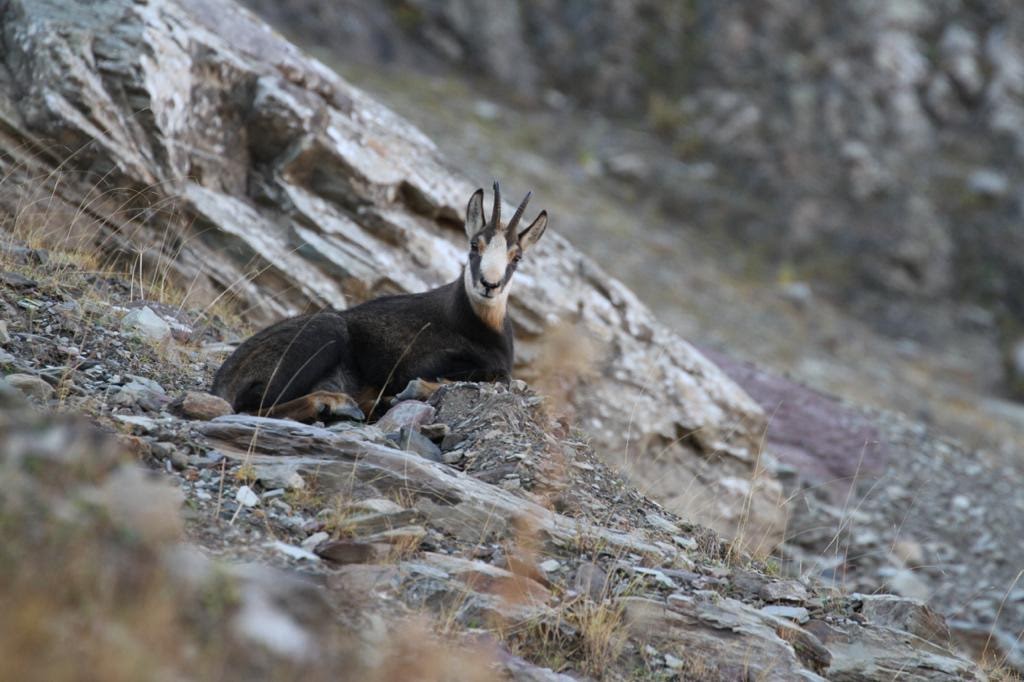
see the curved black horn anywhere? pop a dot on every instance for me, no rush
(496, 211)
(517, 215)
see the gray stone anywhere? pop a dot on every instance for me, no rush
(139, 392)
(315, 539)
(909, 615)
(146, 383)
(31, 386)
(661, 523)
(685, 542)
(17, 281)
(139, 423)
(292, 551)
(453, 457)
(374, 505)
(408, 413)
(162, 450)
(733, 639)
(10, 397)
(591, 580)
(789, 591)
(452, 440)
(25, 255)
(519, 669)
(906, 583)
(550, 565)
(986, 182)
(799, 293)
(413, 441)
(199, 405)
(147, 324)
(658, 577)
(284, 476)
(5, 336)
(247, 497)
(795, 613)
(870, 653)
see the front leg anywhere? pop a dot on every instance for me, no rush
(423, 389)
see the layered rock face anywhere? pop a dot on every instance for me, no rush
(875, 147)
(189, 140)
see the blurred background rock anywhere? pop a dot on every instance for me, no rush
(831, 189)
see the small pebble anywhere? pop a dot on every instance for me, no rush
(247, 497)
(315, 539)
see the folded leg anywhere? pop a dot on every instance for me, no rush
(420, 389)
(322, 406)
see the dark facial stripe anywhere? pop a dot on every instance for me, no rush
(475, 258)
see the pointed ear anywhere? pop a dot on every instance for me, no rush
(530, 235)
(475, 214)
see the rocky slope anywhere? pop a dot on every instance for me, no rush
(909, 512)
(954, 541)
(195, 144)
(467, 538)
(188, 146)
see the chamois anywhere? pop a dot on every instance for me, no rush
(338, 364)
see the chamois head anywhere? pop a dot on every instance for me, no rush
(494, 253)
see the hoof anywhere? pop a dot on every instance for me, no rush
(351, 412)
(337, 406)
(417, 389)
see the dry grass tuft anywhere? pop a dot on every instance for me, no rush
(415, 651)
(997, 669)
(100, 236)
(585, 636)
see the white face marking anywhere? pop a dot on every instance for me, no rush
(494, 260)
(490, 309)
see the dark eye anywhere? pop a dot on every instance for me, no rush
(474, 245)
(516, 258)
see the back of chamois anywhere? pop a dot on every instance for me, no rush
(339, 364)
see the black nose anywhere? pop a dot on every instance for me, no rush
(487, 285)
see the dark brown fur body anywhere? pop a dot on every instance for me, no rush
(375, 348)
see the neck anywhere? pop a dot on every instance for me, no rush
(490, 311)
